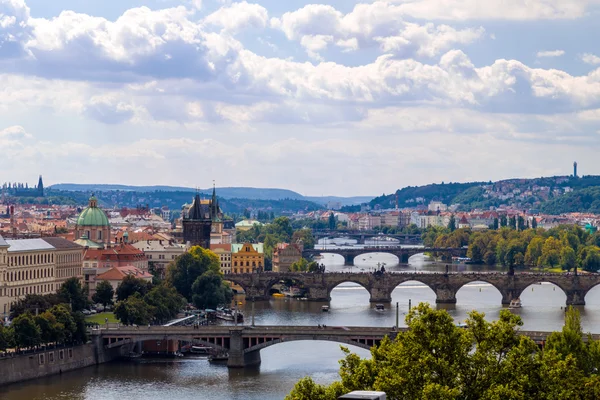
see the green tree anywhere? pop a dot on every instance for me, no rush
(495, 224)
(568, 258)
(73, 293)
(50, 330)
(183, 272)
(166, 302)
(6, 337)
(104, 293)
(589, 258)
(303, 265)
(134, 310)
(550, 252)
(534, 251)
(332, 222)
(452, 223)
(131, 285)
(66, 320)
(503, 221)
(512, 222)
(209, 291)
(534, 224)
(35, 303)
(26, 332)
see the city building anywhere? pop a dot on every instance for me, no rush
(368, 222)
(285, 254)
(247, 224)
(247, 258)
(68, 259)
(160, 253)
(31, 266)
(223, 251)
(93, 223)
(436, 206)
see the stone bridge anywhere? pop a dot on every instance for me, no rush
(445, 286)
(241, 343)
(403, 253)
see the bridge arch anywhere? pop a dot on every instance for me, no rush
(504, 296)
(332, 286)
(537, 294)
(205, 340)
(365, 343)
(407, 290)
(592, 293)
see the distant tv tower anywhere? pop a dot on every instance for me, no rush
(575, 169)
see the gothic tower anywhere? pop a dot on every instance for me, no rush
(197, 223)
(40, 187)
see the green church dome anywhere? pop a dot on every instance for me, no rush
(92, 215)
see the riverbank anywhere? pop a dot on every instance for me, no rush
(47, 362)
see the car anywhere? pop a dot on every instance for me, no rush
(93, 312)
(86, 312)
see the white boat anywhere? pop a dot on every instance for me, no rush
(516, 303)
(200, 350)
(379, 307)
(325, 308)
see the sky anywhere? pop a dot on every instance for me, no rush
(338, 97)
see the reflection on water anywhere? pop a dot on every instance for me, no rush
(285, 363)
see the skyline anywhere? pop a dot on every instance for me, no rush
(344, 98)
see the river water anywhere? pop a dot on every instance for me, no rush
(285, 363)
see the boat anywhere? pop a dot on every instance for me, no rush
(325, 308)
(278, 295)
(200, 350)
(379, 307)
(516, 303)
(218, 357)
(228, 315)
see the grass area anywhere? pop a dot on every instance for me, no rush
(99, 318)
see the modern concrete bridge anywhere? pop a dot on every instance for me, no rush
(243, 343)
(445, 286)
(403, 253)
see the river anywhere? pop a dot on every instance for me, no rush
(285, 363)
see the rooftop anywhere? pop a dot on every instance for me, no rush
(60, 243)
(28, 245)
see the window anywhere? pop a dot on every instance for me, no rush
(70, 353)
(42, 359)
(61, 354)
(51, 357)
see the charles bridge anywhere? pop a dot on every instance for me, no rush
(445, 286)
(242, 344)
(403, 253)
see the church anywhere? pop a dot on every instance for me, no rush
(201, 219)
(23, 190)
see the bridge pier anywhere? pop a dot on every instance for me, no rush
(349, 260)
(445, 295)
(318, 294)
(509, 295)
(380, 296)
(258, 294)
(575, 298)
(237, 357)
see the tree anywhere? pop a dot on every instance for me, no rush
(521, 223)
(550, 252)
(104, 293)
(452, 223)
(6, 337)
(534, 223)
(134, 310)
(306, 236)
(131, 285)
(74, 294)
(50, 330)
(209, 291)
(165, 301)
(534, 251)
(35, 303)
(26, 332)
(495, 225)
(65, 320)
(589, 258)
(512, 222)
(332, 222)
(435, 359)
(503, 221)
(183, 272)
(568, 259)
(303, 265)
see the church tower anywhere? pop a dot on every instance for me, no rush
(40, 187)
(197, 223)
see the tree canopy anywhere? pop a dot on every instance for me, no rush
(435, 359)
(131, 285)
(186, 268)
(104, 293)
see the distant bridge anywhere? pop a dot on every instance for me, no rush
(403, 253)
(445, 286)
(361, 236)
(243, 343)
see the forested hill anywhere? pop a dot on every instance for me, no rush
(552, 195)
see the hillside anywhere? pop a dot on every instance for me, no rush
(553, 195)
(223, 192)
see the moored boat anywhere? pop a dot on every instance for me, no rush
(515, 303)
(325, 308)
(379, 307)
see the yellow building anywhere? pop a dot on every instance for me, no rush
(247, 257)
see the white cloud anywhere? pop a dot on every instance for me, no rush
(369, 25)
(550, 53)
(521, 10)
(590, 59)
(238, 17)
(14, 132)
